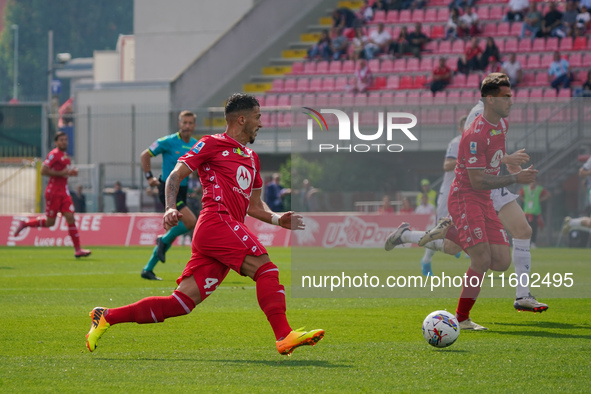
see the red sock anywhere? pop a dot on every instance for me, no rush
(469, 294)
(73, 231)
(39, 222)
(152, 309)
(271, 297)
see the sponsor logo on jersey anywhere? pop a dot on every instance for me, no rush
(496, 159)
(472, 160)
(198, 147)
(243, 177)
(494, 132)
(473, 146)
(239, 151)
(154, 146)
(225, 153)
(478, 232)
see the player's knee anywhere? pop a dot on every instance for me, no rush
(500, 265)
(49, 222)
(267, 270)
(523, 231)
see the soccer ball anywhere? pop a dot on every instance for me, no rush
(441, 329)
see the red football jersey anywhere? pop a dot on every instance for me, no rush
(482, 147)
(228, 171)
(57, 160)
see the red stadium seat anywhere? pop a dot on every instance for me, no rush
(404, 16)
(453, 97)
(406, 82)
(278, 85)
(398, 99)
(528, 79)
(360, 100)
(431, 46)
(586, 60)
(399, 65)
(522, 59)
(284, 100)
(367, 117)
(412, 64)
(303, 85)
(538, 45)
(443, 14)
(536, 94)
(496, 13)
(473, 81)
(483, 13)
(438, 31)
(580, 44)
(297, 100)
(564, 93)
(392, 16)
(261, 100)
(374, 65)
(270, 100)
(387, 99)
(413, 98)
(297, 68)
(309, 100)
(490, 29)
(524, 45)
(552, 44)
(546, 60)
(420, 81)
(550, 93)
(430, 15)
(396, 31)
(418, 15)
(541, 79)
(347, 100)
(309, 68)
(444, 47)
(328, 84)
(511, 44)
(426, 64)
(373, 100)
(379, 83)
(566, 44)
(322, 100)
(533, 61)
(393, 82)
(335, 67)
(576, 59)
(427, 98)
(379, 17)
(335, 100)
(340, 84)
(457, 47)
(322, 67)
(516, 29)
(468, 97)
(458, 81)
(348, 67)
(387, 66)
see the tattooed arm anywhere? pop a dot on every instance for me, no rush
(482, 181)
(171, 190)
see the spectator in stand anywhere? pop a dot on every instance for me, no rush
(494, 66)
(79, 200)
(339, 45)
(322, 49)
(441, 76)
(469, 23)
(532, 22)
(551, 23)
(491, 50)
(425, 207)
(386, 207)
(344, 17)
(379, 42)
(516, 10)
(359, 42)
(569, 19)
(513, 70)
(363, 78)
(473, 55)
(406, 207)
(426, 190)
(400, 45)
(366, 12)
(583, 18)
(462, 65)
(451, 28)
(417, 40)
(459, 4)
(120, 198)
(586, 90)
(380, 5)
(559, 73)
(274, 193)
(396, 4)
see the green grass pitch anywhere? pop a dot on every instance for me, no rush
(226, 344)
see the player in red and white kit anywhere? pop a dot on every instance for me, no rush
(231, 181)
(480, 153)
(57, 167)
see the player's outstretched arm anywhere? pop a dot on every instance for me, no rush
(258, 209)
(173, 182)
(482, 181)
(49, 172)
(146, 160)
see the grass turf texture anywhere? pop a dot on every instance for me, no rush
(226, 343)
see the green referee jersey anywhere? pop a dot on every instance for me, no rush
(171, 147)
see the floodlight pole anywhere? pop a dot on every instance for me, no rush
(50, 68)
(15, 69)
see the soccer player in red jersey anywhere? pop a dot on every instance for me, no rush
(230, 176)
(58, 168)
(480, 231)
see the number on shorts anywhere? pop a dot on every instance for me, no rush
(504, 235)
(504, 192)
(209, 282)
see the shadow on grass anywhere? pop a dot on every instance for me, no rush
(6, 268)
(546, 334)
(270, 363)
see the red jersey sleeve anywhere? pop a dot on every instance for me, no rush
(258, 181)
(50, 160)
(474, 151)
(203, 151)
